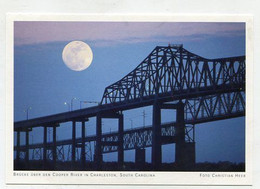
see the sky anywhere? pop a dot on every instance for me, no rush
(43, 82)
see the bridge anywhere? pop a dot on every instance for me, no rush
(170, 77)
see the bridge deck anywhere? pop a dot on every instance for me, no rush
(130, 131)
(121, 106)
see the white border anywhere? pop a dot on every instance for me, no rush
(161, 178)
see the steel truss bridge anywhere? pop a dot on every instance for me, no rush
(170, 77)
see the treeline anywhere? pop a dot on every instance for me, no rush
(223, 166)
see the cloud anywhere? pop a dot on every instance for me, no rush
(104, 33)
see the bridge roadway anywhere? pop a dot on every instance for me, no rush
(133, 132)
(121, 106)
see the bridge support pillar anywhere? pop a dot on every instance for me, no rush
(17, 161)
(27, 148)
(73, 146)
(185, 152)
(83, 150)
(121, 141)
(98, 150)
(54, 147)
(44, 147)
(140, 158)
(156, 137)
(185, 155)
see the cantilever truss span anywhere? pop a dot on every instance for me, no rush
(172, 70)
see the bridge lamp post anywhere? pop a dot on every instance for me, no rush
(65, 103)
(27, 112)
(71, 103)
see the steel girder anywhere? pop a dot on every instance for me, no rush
(173, 69)
(197, 110)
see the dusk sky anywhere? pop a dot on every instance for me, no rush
(43, 82)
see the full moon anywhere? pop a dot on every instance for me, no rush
(77, 55)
